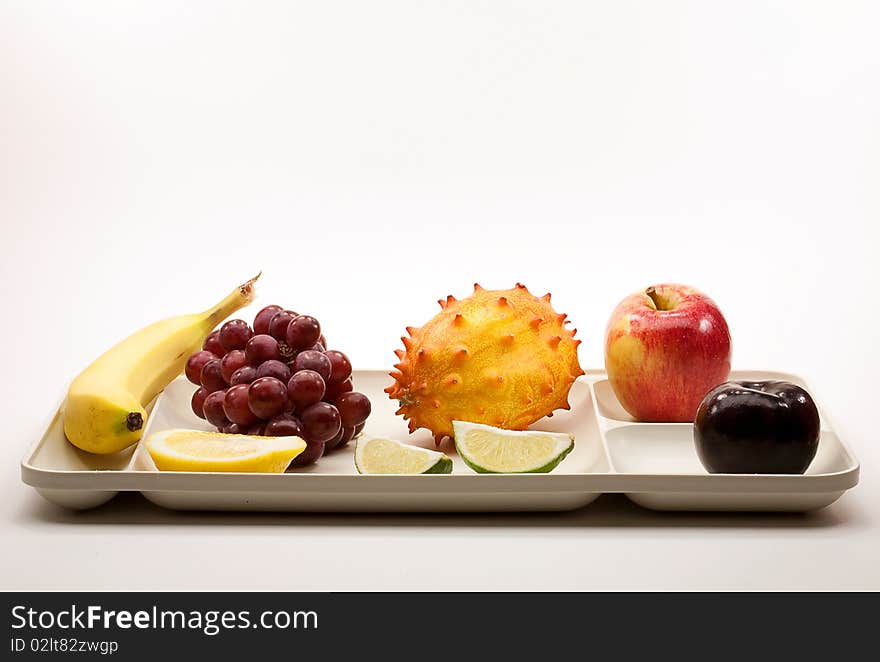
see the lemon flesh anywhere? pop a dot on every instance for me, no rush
(375, 455)
(191, 450)
(487, 449)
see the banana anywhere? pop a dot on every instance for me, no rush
(104, 411)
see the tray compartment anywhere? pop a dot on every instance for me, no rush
(333, 483)
(645, 448)
(658, 466)
(173, 411)
(608, 407)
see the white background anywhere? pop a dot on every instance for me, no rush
(371, 157)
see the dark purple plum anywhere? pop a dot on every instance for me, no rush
(769, 427)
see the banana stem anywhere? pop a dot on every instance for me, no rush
(238, 298)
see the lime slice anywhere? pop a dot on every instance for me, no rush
(489, 450)
(191, 450)
(376, 455)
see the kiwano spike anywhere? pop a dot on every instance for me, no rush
(411, 329)
(561, 317)
(442, 303)
(400, 366)
(554, 341)
(458, 320)
(550, 415)
(436, 404)
(508, 339)
(536, 321)
(546, 297)
(520, 286)
(477, 287)
(502, 301)
(461, 354)
(400, 411)
(412, 426)
(420, 355)
(450, 299)
(399, 353)
(406, 342)
(397, 374)
(452, 380)
(548, 388)
(422, 388)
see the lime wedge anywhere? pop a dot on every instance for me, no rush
(489, 450)
(192, 450)
(376, 455)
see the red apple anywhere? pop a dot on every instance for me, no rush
(666, 347)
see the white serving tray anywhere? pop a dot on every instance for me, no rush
(654, 464)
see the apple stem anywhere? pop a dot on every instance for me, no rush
(652, 295)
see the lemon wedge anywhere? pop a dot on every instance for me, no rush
(192, 450)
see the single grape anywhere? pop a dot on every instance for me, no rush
(244, 375)
(198, 401)
(322, 340)
(232, 428)
(284, 425)
(194, 365)
(212, 344)
(354, 408)
(275, 369)
(278, 325)
(304, 389)
(335, 389)
(314, 450)
(214, 411)
(211, 377)
(261, 321)
(235, 334)
(267, 397)
(303, 332)
(347, 435)
(339, 364)
(320, 422)
(261, 348)
(312, 360)
(332, 443)
(236, 405)
(233, 360)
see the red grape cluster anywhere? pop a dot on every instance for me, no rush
(277, 379)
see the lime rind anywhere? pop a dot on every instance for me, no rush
(442, 466)
(563, 444)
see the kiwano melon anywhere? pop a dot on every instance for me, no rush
(498, 357)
